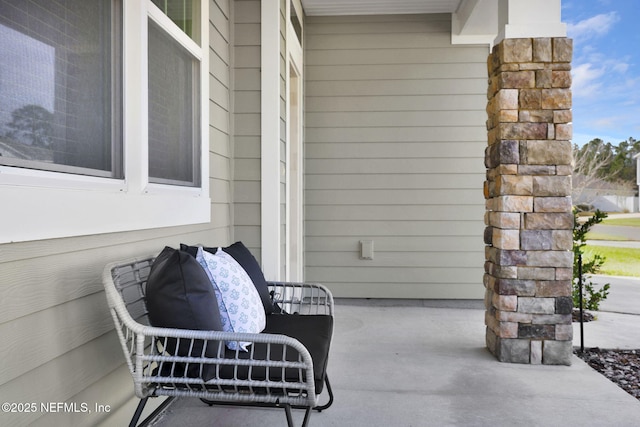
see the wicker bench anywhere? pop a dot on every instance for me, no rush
(285, 366)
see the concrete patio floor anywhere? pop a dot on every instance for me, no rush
(424, 363)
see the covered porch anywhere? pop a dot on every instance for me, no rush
(351, 151)
(388, 370)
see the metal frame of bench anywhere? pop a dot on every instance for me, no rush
(143, 346)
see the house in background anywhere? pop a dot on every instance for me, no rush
(400, 149)
(605, 196)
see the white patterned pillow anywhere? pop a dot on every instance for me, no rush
(241, 309)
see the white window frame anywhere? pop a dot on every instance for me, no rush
(38, 205)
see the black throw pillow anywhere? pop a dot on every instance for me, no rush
(179, 295)
(243, 256)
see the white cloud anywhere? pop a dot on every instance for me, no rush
(605, 78)
(585, 80)
(596, 26)
(620, 67)
(606, 122)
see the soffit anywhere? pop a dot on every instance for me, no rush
(378, 7)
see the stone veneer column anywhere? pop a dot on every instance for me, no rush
(529, 220)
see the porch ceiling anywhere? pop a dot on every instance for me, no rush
(473, 21)
(378, 7)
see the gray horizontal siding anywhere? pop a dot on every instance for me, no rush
(393, 165)
(394, 153)
(246, 124)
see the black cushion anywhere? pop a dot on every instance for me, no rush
(243, 256)
(179, 295)
(314, 333)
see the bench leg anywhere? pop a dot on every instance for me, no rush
(139, 409)
(307, 415)
(330, 391)
(287, 410)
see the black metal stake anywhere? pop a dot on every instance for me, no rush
(581, 310)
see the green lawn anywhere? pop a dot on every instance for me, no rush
(629, 222)
(619, 261)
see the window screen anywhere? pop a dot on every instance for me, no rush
(173, 111)
(60, 86)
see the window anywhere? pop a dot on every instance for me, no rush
(60, 87)
(183, 13)
(106, 97)
(173, 111)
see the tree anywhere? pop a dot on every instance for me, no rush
(623, 164)
(589, 162)
(600, 168)
(33, 122)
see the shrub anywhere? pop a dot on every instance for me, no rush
(591, 296)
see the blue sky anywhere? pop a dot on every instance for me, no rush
(605, 69)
